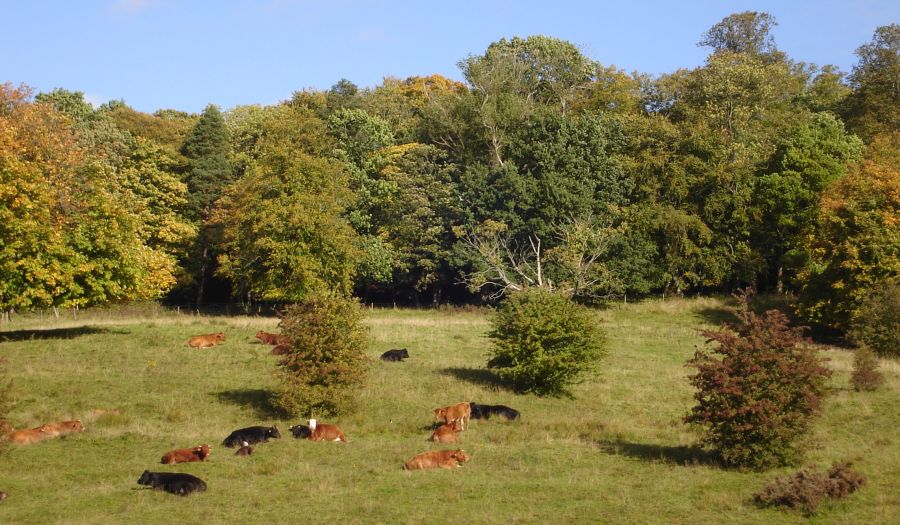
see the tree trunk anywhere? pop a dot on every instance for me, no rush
(202, 277)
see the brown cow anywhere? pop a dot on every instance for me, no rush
(324, 432)
(206, 340)
(271, 339)
(458, 412)
(186, 455)
(63, 427)
(280, 349)
(446, 433)
(437, 458)
(30, 435)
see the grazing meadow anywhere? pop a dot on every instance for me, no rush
(617, 452)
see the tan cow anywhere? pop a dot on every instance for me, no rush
(64, 427)
(206, 340)
(437, 458)
(446, 433)
(459, 412)
(271, 339)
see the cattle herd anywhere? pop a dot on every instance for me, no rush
(451, 420)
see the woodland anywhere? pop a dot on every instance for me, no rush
(543, 168)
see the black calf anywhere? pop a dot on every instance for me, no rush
(251, 436)
(173, 483)
(300, 431)
(397, 354)
(486, 411)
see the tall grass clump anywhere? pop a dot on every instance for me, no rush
(758, 389)
(325, 366)
(543, 342)
(865, 377)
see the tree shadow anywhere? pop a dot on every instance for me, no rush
(479, 376)
(679, 455)
(257, 399)
(52, 333)
(717, 316)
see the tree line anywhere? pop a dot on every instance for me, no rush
(543, 168)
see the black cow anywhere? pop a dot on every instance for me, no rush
(397, 354)
(172, 482)
(250, 436)
(486, 411)
(300, 431)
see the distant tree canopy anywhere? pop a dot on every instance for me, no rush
(543, 167)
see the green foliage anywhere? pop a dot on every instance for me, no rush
(758, 390)
(809, 158)
(865, 376)
(854, 248)
(283, 233)
(325, 365)
(71, 230)
(542, 342)
(747, 32)
(807, 489)
(207, 148)
(877, 323)
(871, 109)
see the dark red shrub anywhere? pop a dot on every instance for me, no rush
(757, 389)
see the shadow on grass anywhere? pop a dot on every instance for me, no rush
(479, 376)
(52, 333)
(680, 455)
(256, 399)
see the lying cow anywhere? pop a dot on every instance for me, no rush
(206, 340)
(30, 435)
(446, 433)
(460, 411)
(397, 354)
(280, 349)
(437, 458)
(45, 431)
(172, 482)
(271, 339)
(325, 432)
(64, 427)
(486, 411)
(186, 455)
(300, 431)
(246, 450)
(251, 436)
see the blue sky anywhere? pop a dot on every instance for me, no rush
(184, 54)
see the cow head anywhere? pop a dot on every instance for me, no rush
(146, 478)
(460, 455)
(220, 336)
(273, 432)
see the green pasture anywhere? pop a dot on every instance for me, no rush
(617, 453)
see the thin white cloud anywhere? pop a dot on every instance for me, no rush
(131, 7)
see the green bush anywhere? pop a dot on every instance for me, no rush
(325, 365)
(757, 390)
(877, 324)
(542, 342)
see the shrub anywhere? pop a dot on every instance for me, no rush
(866, 376)
(877, 324)
(324, 365)
(542, 342)
(806, 489)
(759, 397)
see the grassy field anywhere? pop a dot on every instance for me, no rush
(617, 453)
